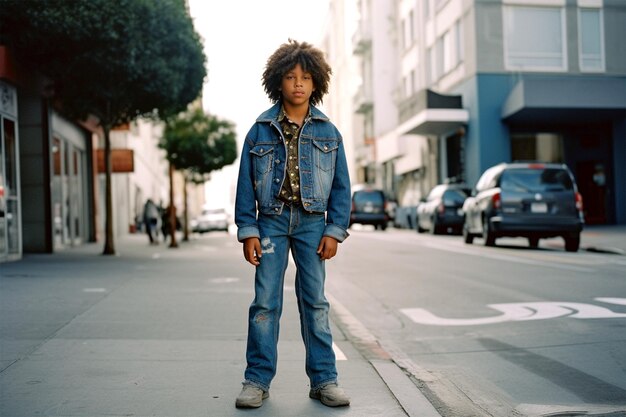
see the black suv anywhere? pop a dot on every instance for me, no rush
(532, 200)
(369, 206)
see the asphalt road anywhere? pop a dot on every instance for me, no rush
(503, 330)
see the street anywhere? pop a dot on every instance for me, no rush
(492, 331)
(477, 331)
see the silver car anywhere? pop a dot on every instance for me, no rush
(211, 219)
(531, 200)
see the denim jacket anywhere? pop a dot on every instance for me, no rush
(324, 177)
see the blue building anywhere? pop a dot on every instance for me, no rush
(487, 81)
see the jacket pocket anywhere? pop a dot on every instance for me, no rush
(262, 158)
(325, 153)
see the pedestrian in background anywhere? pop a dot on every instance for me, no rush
(293, 194)
(151, 219)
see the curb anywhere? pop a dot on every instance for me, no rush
(399, 383)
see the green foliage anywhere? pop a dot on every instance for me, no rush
(199, 143)
(115, 59)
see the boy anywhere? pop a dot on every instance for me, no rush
(293, 194)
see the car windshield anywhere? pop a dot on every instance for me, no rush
(536, 180)
(454, 196)
(374, 197)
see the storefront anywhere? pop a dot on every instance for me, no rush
(10, 211)
(69, 184)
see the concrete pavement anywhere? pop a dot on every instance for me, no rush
(162, 332)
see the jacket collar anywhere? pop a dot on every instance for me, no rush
(273, 112)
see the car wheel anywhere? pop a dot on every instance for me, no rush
(467, 236)
(383, 226)
(488, 235)
(533, 242)
(572, 242)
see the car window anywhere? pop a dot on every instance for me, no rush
(375, 197)
(454, 196)
(536, 180)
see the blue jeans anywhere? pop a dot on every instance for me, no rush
(296, 230)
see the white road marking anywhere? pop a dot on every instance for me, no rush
(620, 301)
(522, 312)
(339, 355)
(94, 290)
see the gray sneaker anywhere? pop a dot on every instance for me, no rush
(330, 395)
(251, 397)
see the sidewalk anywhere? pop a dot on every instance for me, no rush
(608, 239)
(603, 239)
(162, 332)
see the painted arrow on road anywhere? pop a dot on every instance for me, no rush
(523, 312)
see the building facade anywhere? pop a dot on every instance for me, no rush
(52, 176)
(482, 82)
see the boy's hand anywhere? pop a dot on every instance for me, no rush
(252, 250)
(327, 248)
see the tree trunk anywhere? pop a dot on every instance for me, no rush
(109, 245)
(173, 243)
(186, 213)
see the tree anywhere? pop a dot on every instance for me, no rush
(197, 144)
(113, 59)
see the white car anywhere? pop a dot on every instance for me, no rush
(211, 219)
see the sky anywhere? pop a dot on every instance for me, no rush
(239, 36)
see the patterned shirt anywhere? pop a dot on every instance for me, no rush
(290, 192)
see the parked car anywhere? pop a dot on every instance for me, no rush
(211, 219)
(531, 200)
(442, 209)
(369, 206)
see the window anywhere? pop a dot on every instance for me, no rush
(439, 57)
(449, 55)
(407, 84)
(545, 147)
(432, 65)
(408, 31)
(411, 27)
(534, 38)
(406, 87)
(591, 40)
(405, 41)
(458, 40)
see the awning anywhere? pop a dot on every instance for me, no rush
(434, 114)
(572, 99)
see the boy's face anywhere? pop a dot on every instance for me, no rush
(297, 86)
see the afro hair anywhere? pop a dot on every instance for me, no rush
(285, 58)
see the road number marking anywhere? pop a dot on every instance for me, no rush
(523, 312)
